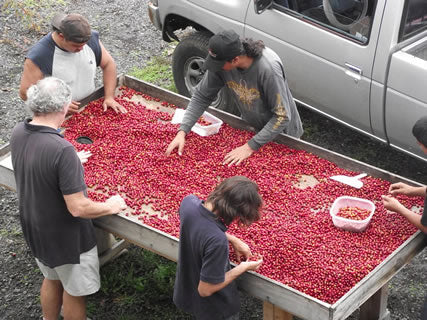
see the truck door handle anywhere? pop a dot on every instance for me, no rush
(354, 72)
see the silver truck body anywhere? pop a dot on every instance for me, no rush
(370, 76)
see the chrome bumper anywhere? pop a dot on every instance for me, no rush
(154, 15)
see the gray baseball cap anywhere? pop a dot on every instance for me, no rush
(73, 26)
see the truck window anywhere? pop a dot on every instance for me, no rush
(350, 18)
(414, 19)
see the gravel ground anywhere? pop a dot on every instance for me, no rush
(131, 39)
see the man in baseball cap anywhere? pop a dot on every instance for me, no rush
(74, 27)
(71, 52)
(253, 77)
(223, 47)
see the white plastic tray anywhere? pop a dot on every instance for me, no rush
(198, 128)
(349, 224)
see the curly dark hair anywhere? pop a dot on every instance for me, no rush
(253, 48)
(236, 198)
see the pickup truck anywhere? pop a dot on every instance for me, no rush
(362, 63)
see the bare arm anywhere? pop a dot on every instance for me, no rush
(207, 289)
(30, 76)
(109, 74)
(403, 188)
(240, 248)
(82, 207)
(394, 205)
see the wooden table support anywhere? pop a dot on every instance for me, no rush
(375, 308)
(272, 312)
(113, 252)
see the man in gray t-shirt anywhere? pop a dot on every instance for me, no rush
(254, 77)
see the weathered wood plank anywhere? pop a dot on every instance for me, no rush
(379, 277)
(140, 235)
(376, 306)
(272, 312)
(7, 178)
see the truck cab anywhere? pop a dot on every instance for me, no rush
(362, 63)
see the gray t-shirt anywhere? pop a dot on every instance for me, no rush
(261, 94)
(46, 168)
(203, 255)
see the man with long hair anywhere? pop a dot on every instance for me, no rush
(254, 77)
(204, 283)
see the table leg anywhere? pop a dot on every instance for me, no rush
(375, 308)
(272, 312)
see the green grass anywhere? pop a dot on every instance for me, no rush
(157, 71)
(138, 284)
(16, 232)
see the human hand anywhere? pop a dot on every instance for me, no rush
(392, 204)
(113, 104)
(237, 155)
(252, 265)
(400, 188)
(84, 156)
(73, 107)
(240, 248)
(177, 142)
(116, 203)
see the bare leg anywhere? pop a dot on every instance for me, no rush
(74, 307)
(51, 298)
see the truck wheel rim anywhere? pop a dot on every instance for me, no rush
(193, 73)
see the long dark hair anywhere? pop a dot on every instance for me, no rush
(236, 198)
(253, 48)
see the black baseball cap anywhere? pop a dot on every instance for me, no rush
(73, 26)
(223, 47)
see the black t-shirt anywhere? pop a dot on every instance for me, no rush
(424, 216)
(203, 255)
(46, 168)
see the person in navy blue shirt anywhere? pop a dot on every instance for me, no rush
(204, 284)
(419, 130)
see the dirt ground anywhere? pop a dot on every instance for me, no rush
(131, 39)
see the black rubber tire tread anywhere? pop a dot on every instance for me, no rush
(196, 44)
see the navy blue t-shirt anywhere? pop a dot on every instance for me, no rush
(424, 216)
(203, 255)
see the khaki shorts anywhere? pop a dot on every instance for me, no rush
(77, 279)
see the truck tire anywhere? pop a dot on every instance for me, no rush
(187, 62)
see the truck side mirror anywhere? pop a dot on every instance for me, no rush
(261, 5)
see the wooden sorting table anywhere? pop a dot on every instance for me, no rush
(280, 301)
